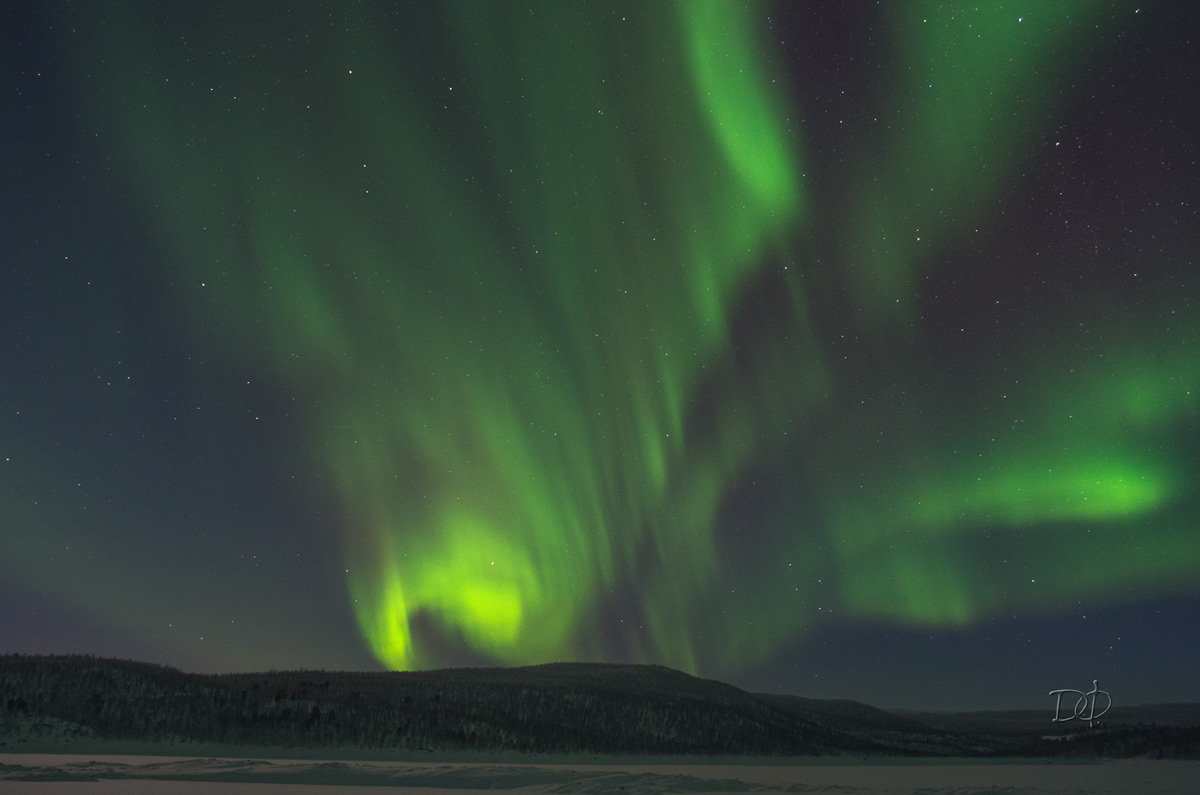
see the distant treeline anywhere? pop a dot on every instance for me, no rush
(564, 708)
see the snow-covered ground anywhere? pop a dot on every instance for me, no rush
(46, 774)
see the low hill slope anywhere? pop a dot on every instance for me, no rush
(557, 708)
(554, 708)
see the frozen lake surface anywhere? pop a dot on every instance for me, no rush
(46, 774)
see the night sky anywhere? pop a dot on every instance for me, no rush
(828, 348)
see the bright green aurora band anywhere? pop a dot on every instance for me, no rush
(510, 264)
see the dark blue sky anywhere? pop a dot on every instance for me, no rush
(844, 351)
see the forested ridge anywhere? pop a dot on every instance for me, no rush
(560, 708)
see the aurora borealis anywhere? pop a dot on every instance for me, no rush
(846, 351)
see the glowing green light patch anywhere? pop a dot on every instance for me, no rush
(383, 619)
(733, 87)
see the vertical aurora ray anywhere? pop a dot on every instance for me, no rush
(523, 272)
(571, 467)
(978, 86)
(500, 304)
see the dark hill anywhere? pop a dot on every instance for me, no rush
(558, 708)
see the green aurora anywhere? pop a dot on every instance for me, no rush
(577, 341)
